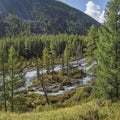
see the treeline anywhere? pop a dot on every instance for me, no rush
(32, 46)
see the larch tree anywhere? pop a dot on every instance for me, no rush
(91, 41)
(39, 66)
(12, 65)
(52, 57)
(3, 70)
(66, 58)
(46, 59)
(108, 54)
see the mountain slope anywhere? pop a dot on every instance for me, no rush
(52, 16)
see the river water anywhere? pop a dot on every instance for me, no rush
(81, 64)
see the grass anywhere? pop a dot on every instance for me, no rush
(94, 110)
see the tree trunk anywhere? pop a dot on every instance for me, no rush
(12, 89)
(67, 66)
(41, 82)
(53, 67)
(4, 90)
(62, 64)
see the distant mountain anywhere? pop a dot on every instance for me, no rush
(48, 16)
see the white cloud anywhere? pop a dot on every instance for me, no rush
(102, 17)
(93, 10)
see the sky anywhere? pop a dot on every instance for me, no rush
(94, 8)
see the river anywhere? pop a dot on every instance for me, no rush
(81, 64)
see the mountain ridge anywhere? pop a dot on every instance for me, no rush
(53, 16)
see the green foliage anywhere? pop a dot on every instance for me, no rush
(3, 70)
(11, 25)
(15, 26)
(46, 61)
(107, 54)
(32, 46)
(91, 46)
(15, 74)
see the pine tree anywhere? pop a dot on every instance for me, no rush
(12, 63)
(91, 47)
(107, 55)
(40, 77)
(52, 57)
(66, 58)
(46, 59)
(3, 69)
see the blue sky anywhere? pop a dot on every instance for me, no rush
(94, 8)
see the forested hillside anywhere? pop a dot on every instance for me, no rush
(48, 16)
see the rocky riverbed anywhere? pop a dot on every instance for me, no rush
(54, 89)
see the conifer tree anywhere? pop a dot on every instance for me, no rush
(3, 69)
(12, 63)
(52, 57)
(46, 59)
(107, 55)
(91, 40)
(66, 58)
(40, 76)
